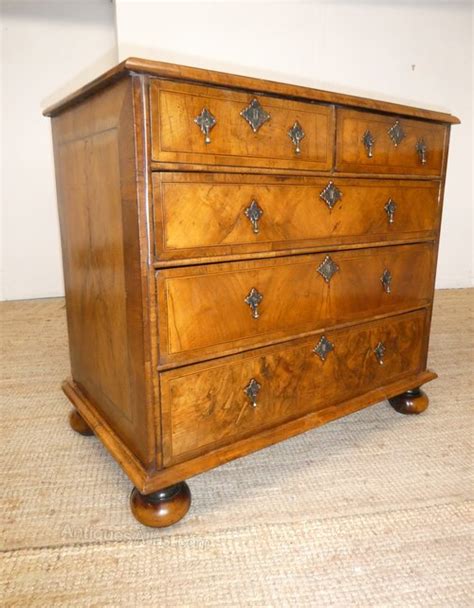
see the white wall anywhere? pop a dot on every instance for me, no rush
(413, 52)
(45, 44)
(416, 52)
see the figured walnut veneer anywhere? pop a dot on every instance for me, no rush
(296, 298)
(230, 286)
(203, 214)
(203, 407)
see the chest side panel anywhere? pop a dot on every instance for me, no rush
(94, 146)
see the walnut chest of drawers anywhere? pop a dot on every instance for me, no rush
(244, 261)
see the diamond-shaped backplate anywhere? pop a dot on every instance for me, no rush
(255, 115)
(331, 194)
(396, 133)
(327, 268)
(323, 348)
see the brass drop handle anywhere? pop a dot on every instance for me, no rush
(205, 121)
(379, 352)
(368, 141)
(253, 299)
(421, 150)
(296, 134)
(254, 212)
(386, 280)
(251, 390)
(390, 208)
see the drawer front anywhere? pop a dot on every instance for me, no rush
(211, 404)
(221, 308)
(374, 143)
(182, 133)
(206, 215)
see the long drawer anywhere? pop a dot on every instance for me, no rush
(195, 124)
(375, 143)
(205, 215)
(215, 403)
(221, 308)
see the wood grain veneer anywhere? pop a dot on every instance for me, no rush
(296, 298)
(388, 157)
(202, 215)
(175, 137)
(204, 405)
(95, 173)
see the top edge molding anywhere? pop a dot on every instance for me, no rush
(134, 65)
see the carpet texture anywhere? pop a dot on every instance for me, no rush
(372, 510)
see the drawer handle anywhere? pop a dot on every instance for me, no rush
(327, 268)
(255, 115)
(390, 208)
(331, 194)
(368, 141)
(254, 212)
(253, 299)
(251, 390)
(379, 352)
(296, 134)
(396, 133)
(421, 149)
(386, 280)
(205, 121)
(323, 348)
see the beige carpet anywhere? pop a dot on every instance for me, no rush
(372, 510)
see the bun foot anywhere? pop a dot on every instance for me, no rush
(411, 402)
(78, 424)
(163, 508)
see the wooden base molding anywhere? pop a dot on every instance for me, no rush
(150, 480)
(162, 508)
(412, 401)
(133, 468)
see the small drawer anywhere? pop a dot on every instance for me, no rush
(202, 215)
(208, 405)
(240, 305)
(375, 143)
(194, 124)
